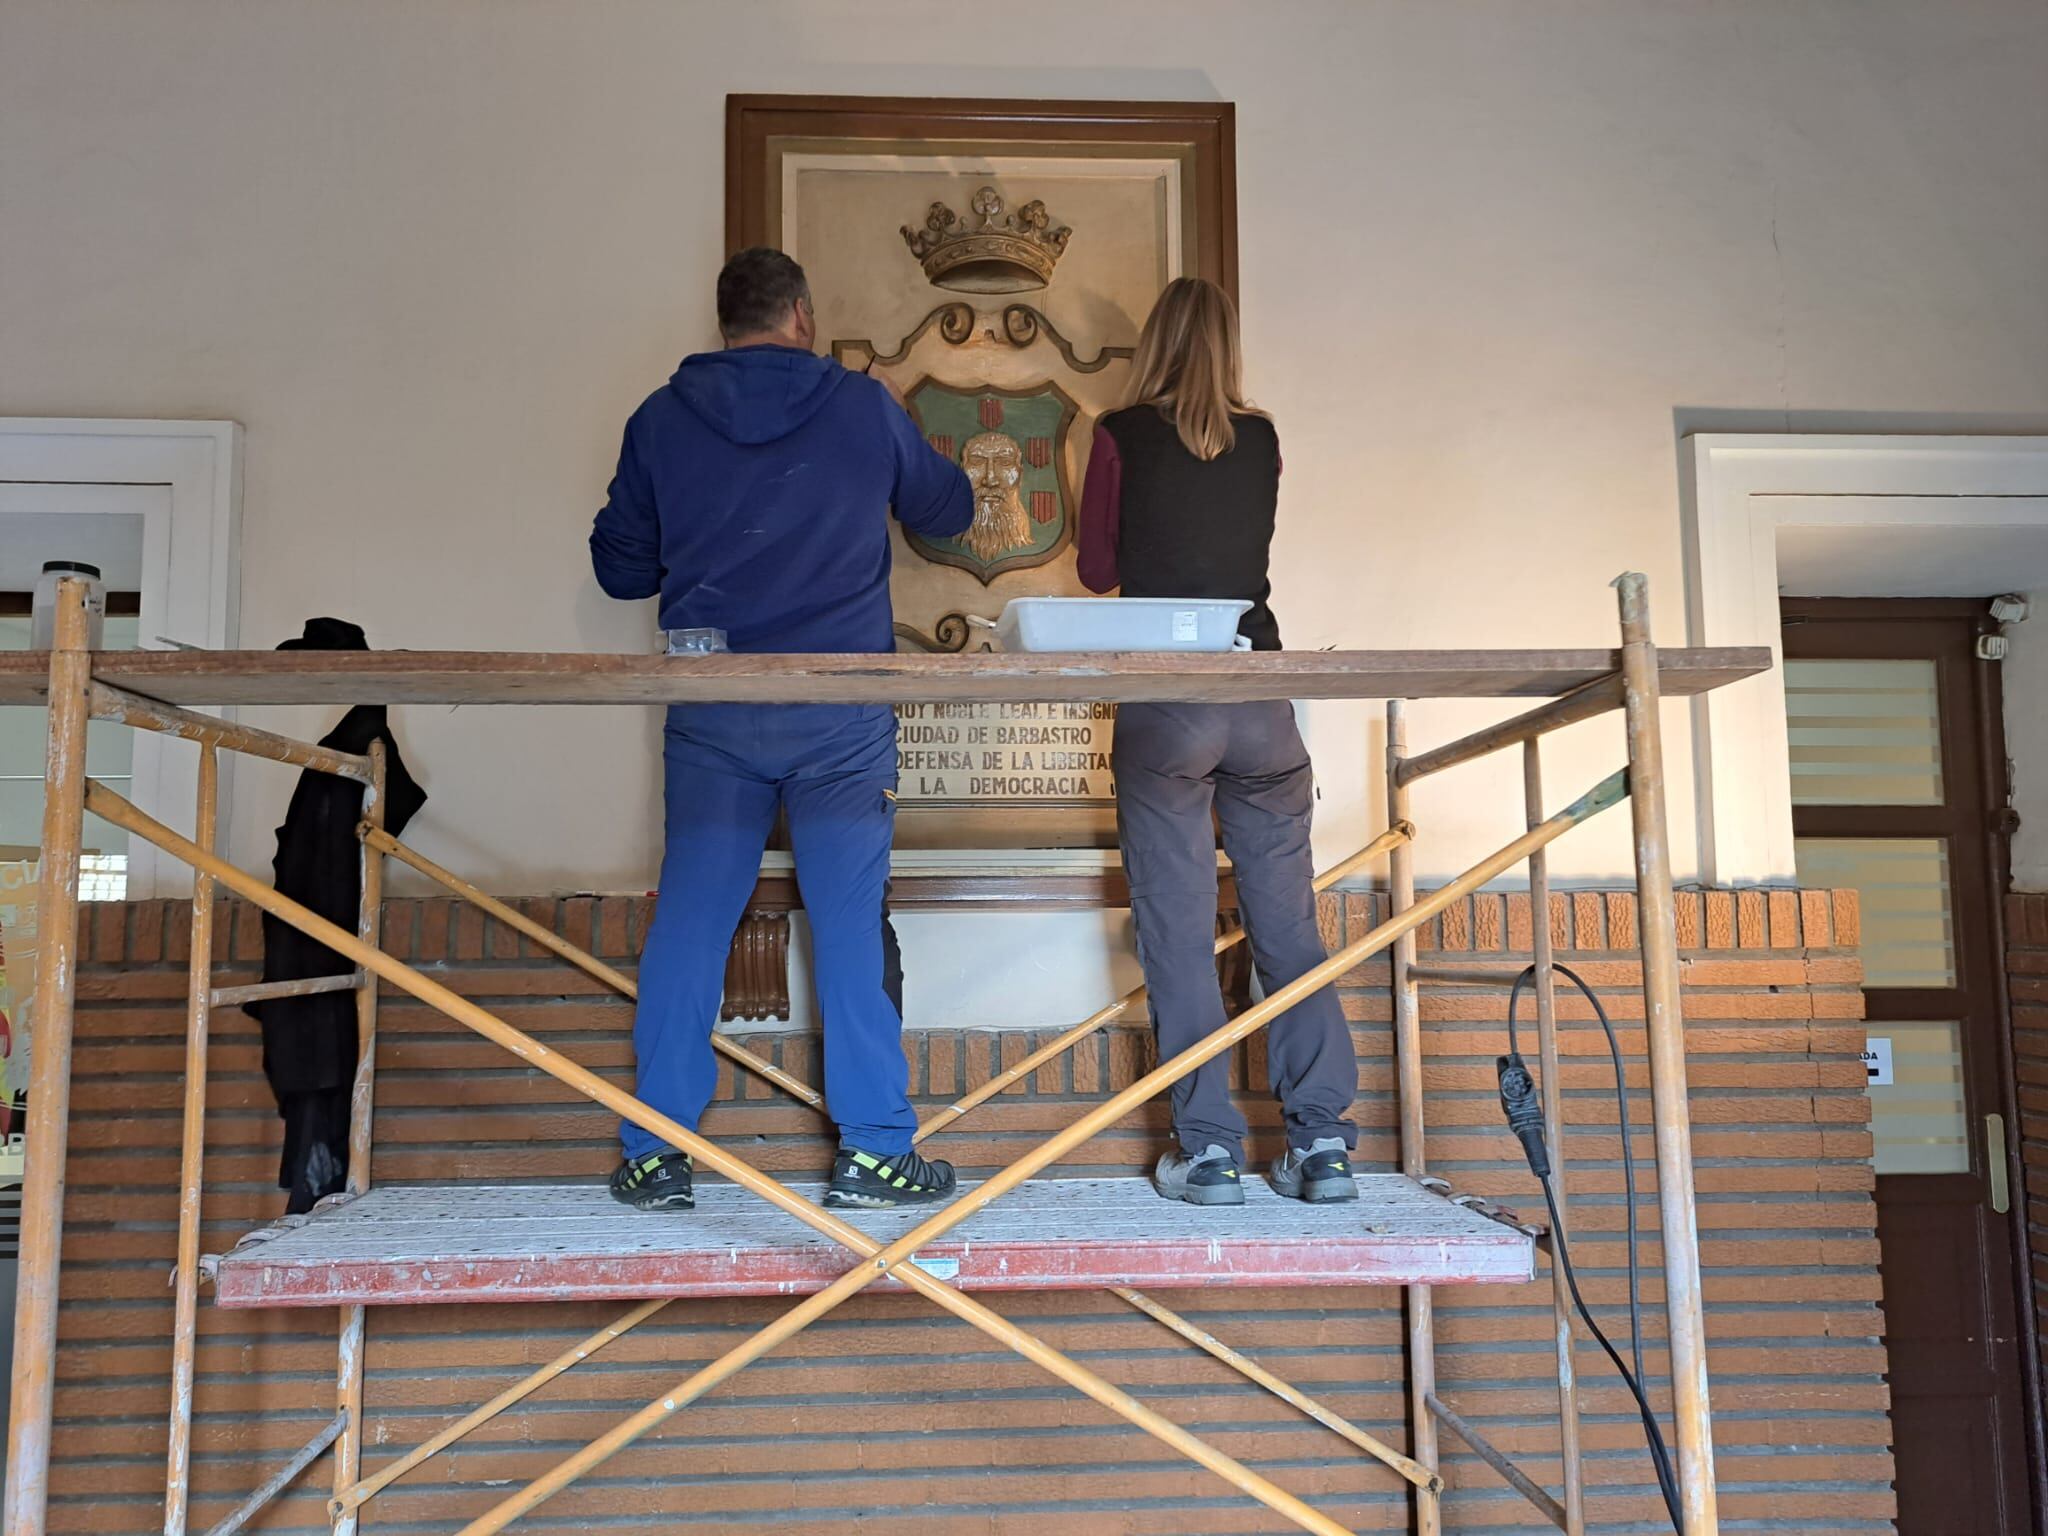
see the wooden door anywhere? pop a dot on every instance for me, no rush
(1898, 775)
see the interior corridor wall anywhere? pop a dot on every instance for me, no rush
(1496, 258)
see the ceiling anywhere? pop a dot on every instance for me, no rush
(1910, 561)
(112, 541)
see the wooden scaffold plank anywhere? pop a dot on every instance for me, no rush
(189, 678)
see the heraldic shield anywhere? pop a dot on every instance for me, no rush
(1013, 445)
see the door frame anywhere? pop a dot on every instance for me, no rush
(1736, 491)
(191, 572)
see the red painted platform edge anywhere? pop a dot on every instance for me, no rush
(1506, 1260)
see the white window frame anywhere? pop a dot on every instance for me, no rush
(1738, 490)
(191, 574)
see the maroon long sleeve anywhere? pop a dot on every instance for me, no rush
(1101, 504)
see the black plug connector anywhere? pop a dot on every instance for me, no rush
(1524, 1110)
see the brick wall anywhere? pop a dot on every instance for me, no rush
(2026, 938)
(890, 1416)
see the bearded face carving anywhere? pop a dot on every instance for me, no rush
(1010, 444)
(995, 465)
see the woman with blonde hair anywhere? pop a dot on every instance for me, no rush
(1182, 488)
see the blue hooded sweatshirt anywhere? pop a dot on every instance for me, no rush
(753, 494)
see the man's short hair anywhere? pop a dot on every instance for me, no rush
(756, 291)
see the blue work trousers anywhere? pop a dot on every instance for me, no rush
(832, 768)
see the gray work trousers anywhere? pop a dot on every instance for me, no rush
(1173, 762)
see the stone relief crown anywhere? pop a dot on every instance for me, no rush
(1005, 253)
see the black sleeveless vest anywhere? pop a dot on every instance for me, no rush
(1189, 528)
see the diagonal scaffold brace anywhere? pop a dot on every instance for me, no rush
(383, 842)
(112, 807)
(360, 1493)
(878, 1260)
(885, 1261)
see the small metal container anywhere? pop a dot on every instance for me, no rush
(695, 642)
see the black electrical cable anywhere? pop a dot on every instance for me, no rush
(1518, 1098)
(1628, 1155)
(1628, 1165)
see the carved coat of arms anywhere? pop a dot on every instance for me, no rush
(1012, 444)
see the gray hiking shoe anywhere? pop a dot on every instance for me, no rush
(1211, 1179)
(1317, 1174)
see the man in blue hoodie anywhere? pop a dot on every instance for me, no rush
(753, 495)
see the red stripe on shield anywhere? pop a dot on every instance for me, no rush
(943, 441)
(991, 413)
(1038, 451)
(1044, 506)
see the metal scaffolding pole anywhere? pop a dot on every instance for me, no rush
(118, 704)
(1574, 1522)
(1510, 1474)
(1421, 1311)
(49, 1092)
(1598, 697)
(1665, 1025)
(281, 1479)
(349, 1363)
(185, 1308)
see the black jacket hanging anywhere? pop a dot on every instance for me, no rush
(309, 1043)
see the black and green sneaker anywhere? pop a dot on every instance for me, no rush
(873, 1181)
(659, 1181)
(1210, 1179)
(1319, 1173)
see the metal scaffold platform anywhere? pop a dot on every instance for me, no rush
(553, 1242)
(756, 1236)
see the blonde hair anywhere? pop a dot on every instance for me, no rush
(1190, 367)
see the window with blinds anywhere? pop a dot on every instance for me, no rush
(1863, 732)
(1903, 883)
(1918, 1121)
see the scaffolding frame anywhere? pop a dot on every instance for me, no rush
(75, 696)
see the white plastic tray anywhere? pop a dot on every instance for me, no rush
(1121, 624)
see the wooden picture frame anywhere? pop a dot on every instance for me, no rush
(1199, 138)
(1205, 132)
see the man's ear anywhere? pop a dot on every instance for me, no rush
(805, 323)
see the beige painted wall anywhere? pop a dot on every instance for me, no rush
(2026, 742)
(1495, 257)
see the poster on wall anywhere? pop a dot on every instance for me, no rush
(993, 262)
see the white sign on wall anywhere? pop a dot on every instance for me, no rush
(1004, 754)
(1877, 1061)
